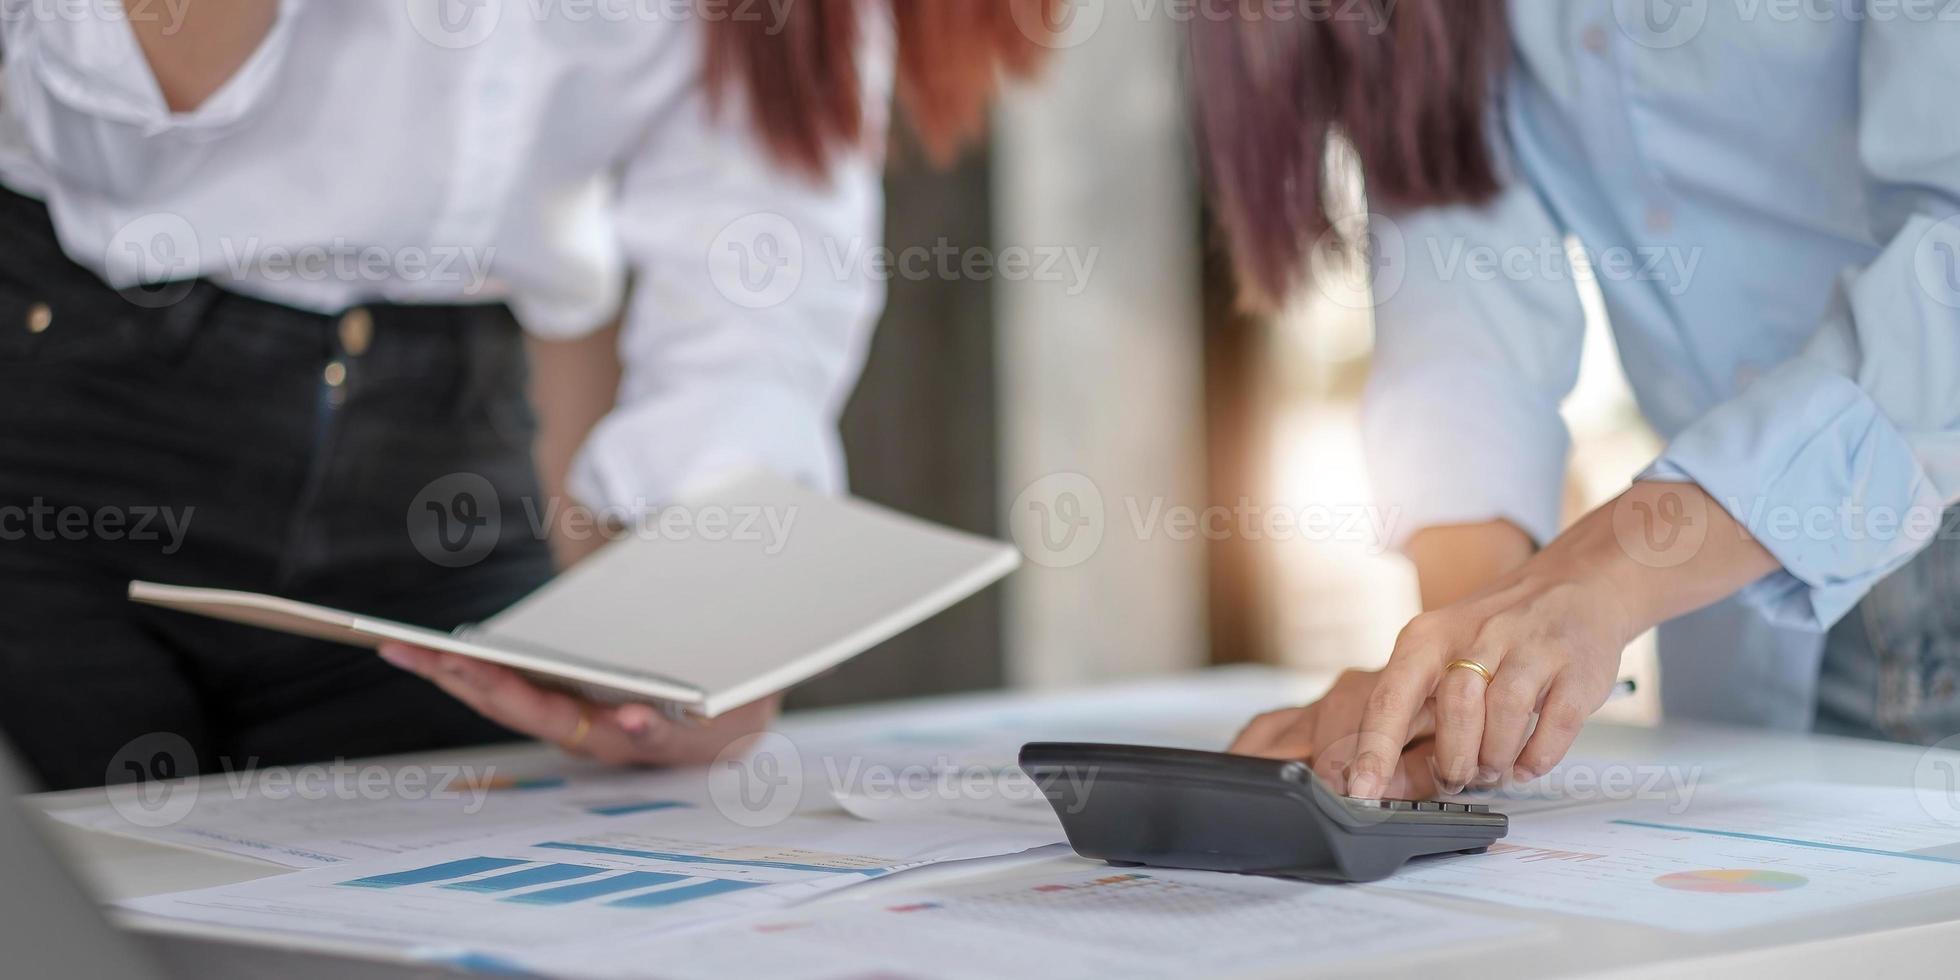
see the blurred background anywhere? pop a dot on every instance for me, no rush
(1063, 363)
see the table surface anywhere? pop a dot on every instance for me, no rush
(1913, 936)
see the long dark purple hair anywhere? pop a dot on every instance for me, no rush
(1408, 83)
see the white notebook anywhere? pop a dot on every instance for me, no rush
(701, 621)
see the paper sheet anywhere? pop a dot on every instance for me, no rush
(959, 758)
(1008, 798)
(898, 763)
(599, 879)
(300, 822)
(1583, 780)
(1738, 856)
(1078, 923)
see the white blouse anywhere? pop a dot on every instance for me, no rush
(445, 151)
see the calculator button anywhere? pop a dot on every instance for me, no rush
(1429, 806)
(1455, 808)
(1399, 804)
(1478, 807)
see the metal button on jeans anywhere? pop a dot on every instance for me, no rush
(356, 331)
(335, 376)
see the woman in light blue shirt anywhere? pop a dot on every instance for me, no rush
(1771, 194)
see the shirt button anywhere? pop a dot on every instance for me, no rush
(39, 317)
(356, 331)
(335, 375)
(1594, 39)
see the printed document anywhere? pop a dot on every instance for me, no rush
(1736, 856)
(603, 878)
(1046, 922)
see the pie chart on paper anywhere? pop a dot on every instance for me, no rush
(1732, 881)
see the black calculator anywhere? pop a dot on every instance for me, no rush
(1178, 808)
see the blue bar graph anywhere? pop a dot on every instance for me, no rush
(644, 806)
(541, 875)
(437, 872)
(594, 889)
(703, 859)
(675, 896)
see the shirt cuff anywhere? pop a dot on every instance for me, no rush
(680, 444)
(1463, 446)
(1809, 465)
(94, 65)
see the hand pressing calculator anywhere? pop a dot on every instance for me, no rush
(1177, 808)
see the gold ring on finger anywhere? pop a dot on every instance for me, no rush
(579, 733)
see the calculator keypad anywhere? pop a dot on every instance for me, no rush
(1418, 806)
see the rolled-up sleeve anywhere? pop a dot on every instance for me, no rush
(76, 69)
(1478, 330)
(1841, 460)
(753, 305)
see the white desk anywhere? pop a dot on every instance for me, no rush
(1916, 936)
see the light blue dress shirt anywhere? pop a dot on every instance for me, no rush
(1770, 195)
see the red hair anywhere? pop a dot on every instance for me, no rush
(800, 74)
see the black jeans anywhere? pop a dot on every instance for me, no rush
(193, 436)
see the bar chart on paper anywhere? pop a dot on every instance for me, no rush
(614, 872)
(593, 881)
(515, 880)
(516, 895)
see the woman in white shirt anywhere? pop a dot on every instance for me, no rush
(263, 272)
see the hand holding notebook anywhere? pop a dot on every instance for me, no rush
(699, 625)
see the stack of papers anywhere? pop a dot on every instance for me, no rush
(536, 896)
(600, 873)
(1086, 922)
